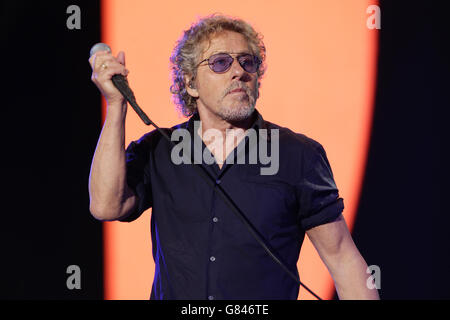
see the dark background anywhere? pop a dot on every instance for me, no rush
(56, 117)
(403, 221)
(51, 121)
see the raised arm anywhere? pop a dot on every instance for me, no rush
(110, 196)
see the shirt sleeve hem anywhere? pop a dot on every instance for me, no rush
(326, 215)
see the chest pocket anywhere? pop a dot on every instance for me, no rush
(273, 201)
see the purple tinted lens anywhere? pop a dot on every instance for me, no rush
(249, 63)
(220, 62)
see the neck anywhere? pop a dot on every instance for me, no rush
(220, 148)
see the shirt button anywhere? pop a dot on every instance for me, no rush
(210, 297)
(212, 258)
(215, 219)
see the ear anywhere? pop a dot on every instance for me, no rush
(190, 86)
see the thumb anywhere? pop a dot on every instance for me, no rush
(121, 57)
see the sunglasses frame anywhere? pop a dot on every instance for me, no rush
(238, 55)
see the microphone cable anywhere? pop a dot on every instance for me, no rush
(122, 85)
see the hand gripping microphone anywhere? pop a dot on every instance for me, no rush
(121, 83)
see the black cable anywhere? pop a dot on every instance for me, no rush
(121, 83)
(226, 198)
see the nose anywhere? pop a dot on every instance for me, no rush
(238, 72)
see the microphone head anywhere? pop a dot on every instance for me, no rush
(99, 47)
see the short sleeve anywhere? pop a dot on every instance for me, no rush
(138, 176)
(319, 199)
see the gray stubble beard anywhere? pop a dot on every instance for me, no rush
(241, 113)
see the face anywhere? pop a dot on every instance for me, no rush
(214, 90)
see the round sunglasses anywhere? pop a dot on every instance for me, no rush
(221, 62)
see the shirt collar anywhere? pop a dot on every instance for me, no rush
(259, 123)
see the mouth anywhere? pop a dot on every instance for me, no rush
(238, 90)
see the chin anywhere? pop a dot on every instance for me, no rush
(236, 113)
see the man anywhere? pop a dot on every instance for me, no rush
(202, 250)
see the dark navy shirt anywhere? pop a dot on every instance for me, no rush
(201, 249)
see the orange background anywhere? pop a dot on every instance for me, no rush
(327, 95)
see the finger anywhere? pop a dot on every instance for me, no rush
(97, 54)
(114, 66)
(121, 57)
(99, 58)
(104, 61)
(111, 68)
(118, 61)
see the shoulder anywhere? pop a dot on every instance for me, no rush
(151, 141)
(297, 151)
(294, 140)
(153, 138)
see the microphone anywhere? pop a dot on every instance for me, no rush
(121, 83)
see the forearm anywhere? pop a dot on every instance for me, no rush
(108, 190)
(350, 278)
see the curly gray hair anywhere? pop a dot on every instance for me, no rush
(187, 51)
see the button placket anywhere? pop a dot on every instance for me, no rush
(211, 250)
